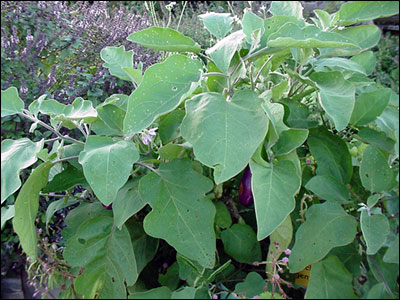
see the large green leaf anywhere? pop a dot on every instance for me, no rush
(222, 52)
(364, 36)
(11, 103)
(252, 286)
(367, 60)
(144, 246)
(186, 292)
(388, 121)
(164, 39)
(337, 96)
(392, 253)
(107, 165)
(331, 153)
(26, 208)
(287, 8)
(181, 214)
(116, 58)
(330, 279)
(163, 88)
(376, 138)
(240, 242)
(218, 24)
(328, 188)
(65, 180)
(293, 36)
(113, 116)
(251, 22)
(297, 114)
(339, 63)
(289, 140)
(327, 226)
(156, 293)
(106, 254)
(375, 172)
(224, 134)
(375, 228)
(128, 202)
(369, 106)
(16, 156)
(363, 11)
(274, 187)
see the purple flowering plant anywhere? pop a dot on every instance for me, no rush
(225, 172)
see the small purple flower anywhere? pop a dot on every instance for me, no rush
(288, 251)
(285, 260)
(165, 265)
(54, 246)
(308, 160)
(256, 297)
(215, 296)
(147, 135)
(277, 277)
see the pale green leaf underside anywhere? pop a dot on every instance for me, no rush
(7, 213)
(164, 39)
(11, 103)
(218, 24)
(116, 58)
(26, 208)
(224, 134)
(79, 110)
(339, 63)
(375, 228)
(375, 172)
(181, 214)
(327, 226)
(287, 8)
(107, 165)
(273, 189)
(163, 88)
(363, 11)
(337, 96)
(16, 155)
(107, 255)
(330, 279)
(292, 36)
(222, 52)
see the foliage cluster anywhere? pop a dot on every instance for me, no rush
(286, 101)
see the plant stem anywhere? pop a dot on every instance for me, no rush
(65, 159)
(180, 18)
(261, 69)
(67, 138)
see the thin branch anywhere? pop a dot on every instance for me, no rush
(261, 69)
(180, 18)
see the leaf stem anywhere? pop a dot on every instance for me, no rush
(180, 18)
(262, 68)
(65, 159)
(148, 167)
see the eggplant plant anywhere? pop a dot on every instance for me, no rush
(287, 100)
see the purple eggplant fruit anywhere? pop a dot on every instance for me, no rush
(109, 207)
(245, 193)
